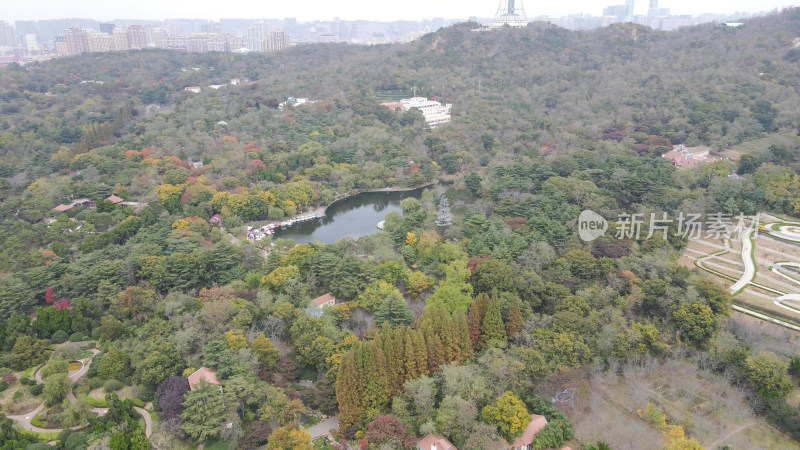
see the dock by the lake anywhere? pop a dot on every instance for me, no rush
(259, 233)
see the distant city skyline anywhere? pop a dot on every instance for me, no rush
(325, 10)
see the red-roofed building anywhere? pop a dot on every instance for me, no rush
(435, 442)
(63, 208)
(324, 300)
(688, 158)
(203, 373)
(115, 200)
(524, 442)
(216, 220)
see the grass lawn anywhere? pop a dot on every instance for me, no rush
(25, 403)
(100, 393)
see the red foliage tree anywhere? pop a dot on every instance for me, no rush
(62, 303)
(389, 430)
(9, 378)
(170, 397)
(256, 433)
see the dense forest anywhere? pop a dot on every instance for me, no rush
(462, 327)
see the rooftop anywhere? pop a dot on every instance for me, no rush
(323, 299)
(534, 426)
(203, 373)
(435, 442)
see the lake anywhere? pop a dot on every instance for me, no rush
(352, 217)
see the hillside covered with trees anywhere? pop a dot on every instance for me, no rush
(460, 325)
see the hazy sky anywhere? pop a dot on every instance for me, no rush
(306, 10)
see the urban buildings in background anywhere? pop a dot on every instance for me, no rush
(27, 40)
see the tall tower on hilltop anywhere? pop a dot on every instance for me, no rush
(511, 13)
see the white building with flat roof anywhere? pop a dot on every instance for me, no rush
(100, 42)
(30, 43)
(434, 112)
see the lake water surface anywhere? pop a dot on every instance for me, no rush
(352, 217)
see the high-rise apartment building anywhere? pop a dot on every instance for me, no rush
(107, 28)
(61, 46)
(160, 37)
(630, 4)
(276, 41)
(137, 37)
(120, 38)
(7, 34)
(100, 42)
(77, 41)
(31, 45)
(256, 35)
(234, 43)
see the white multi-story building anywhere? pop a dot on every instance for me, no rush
(434, 112)
(137, 37)
(7, 34)
(120, 37)
(77, 40)
(275, 42)
(100, 42)
(31, 45)
(160, 37)
(256, 35)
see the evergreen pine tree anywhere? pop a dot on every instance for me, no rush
(393, 310)
(514, 322)
(443, 217)
(477, 311)
(493, 331)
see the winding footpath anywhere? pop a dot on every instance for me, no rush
(748, 277)
(25, 419)
(749, 265)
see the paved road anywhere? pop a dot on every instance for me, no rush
(749, 267)
(148, 421)
(789, 236)
(25, 419)
(324, 427)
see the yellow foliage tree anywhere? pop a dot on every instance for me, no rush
(509, 414)
(235, 339)
(417, 283)
(276, 279)
(166, 191)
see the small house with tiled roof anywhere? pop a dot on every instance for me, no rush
(202, 374)
(115, 200)
(324, 301)
(524, 442)
(435, 442)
